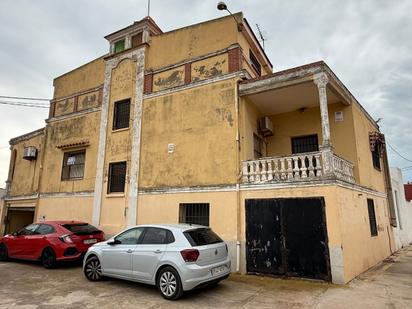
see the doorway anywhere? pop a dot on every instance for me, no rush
(287, 237)
(17, 218)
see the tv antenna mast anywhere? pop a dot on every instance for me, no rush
(262, 37)
(148, 7)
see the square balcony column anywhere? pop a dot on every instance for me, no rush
(321, 80)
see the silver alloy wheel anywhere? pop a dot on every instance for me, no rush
(168, 283)
(93, 269)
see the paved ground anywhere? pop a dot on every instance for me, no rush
(28, 285)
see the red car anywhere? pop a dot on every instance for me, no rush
(50, 242)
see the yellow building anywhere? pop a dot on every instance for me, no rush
(191, 125)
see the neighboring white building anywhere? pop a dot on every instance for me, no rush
(403, 231)
(2, 194)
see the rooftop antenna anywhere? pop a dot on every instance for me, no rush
(148, 7)
(262, 38)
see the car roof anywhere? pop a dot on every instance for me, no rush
(177, 227)
(61, 222)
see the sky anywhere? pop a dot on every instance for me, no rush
(368, 44)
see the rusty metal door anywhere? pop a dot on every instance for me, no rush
(287, 237)
(264, 237)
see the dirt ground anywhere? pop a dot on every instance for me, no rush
(27, 285)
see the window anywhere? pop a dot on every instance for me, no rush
(137, 39)
(28, 230)
(45, 229)
(376, 156)
(255, 63)
(73, 165)
(119, 46)
(130, 237)
(303, 144)
(121, 114)
(197, 213)
(157, 236)
(82, 229)
(257, 146)
(202, 237)
(117, 177)
(372, 218)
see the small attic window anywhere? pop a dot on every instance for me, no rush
(119, 46)
(137, 39)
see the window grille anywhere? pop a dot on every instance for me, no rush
(255, 63)
(194, 213)
(117, 177)
(372, 218)
(121, 115)
(304, 144)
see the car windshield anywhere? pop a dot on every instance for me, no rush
(202, 237)
(81, 228)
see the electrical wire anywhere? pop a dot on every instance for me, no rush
(23, 98)
(397, 152)
(25, 104)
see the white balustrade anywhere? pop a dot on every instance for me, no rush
(301, 167)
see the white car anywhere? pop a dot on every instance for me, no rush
(175, 258)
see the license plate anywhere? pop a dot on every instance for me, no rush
(90, 241)
(218, 270)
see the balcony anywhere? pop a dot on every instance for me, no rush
(301, 167)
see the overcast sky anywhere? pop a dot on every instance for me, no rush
(368, 44)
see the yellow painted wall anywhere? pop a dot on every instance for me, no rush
(200, 122)
(63, 132)
(26, 173)
(361, 250)
(65, 208)
(164, 208)
(368, 175)
(190, 42)
(88, 76)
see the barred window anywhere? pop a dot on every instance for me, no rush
(304, 144)
(117, 177)
(194, 213)
(372, 218)
(255, 63)
(121, 114)
(73, 165)
(376, 156)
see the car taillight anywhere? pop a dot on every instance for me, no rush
(190, 255)
(66, 238)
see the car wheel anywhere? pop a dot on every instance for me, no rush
(48, 258)
(93, 269)
(169, 283)
(4, 255)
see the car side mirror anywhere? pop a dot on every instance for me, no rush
(114, 242)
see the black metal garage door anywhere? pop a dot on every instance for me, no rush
(287, 237)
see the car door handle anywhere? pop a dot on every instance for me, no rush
(157, 251)
(129, 251)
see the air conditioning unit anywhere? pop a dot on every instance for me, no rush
(265, 127)
(30, 153)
